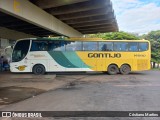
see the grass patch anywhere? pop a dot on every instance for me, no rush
(155, 68)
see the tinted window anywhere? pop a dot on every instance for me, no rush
(90, 46)
(73, 46)
(143, 46)
(20, 50)
(120, 46)
(39, 46)
(133, 46)
(56, 46)
(106, 46)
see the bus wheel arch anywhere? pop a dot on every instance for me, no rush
(125, 69)
(112, 69)
(39, 69)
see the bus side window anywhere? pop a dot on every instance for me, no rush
(105, 46)
(63, 45)
(90, 46)
(39, 46)
(70, 46)
(124, 46)
(120, 46)
(34, 46)
(116, 47)
(143, 46)
(78, 46)
(44, 46)
(56, 46)
(74, 46)
(50, 45)
(133, 46)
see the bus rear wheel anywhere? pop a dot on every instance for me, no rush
(112, 69)
(39, 69)
(125, 69)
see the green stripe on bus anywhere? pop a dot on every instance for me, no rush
(75, 59)
(61, 59)
(68, 59)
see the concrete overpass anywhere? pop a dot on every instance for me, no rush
(38, 18)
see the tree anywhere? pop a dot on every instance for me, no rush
(154, 38)
(116, 36)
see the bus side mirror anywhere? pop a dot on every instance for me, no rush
(12, 46)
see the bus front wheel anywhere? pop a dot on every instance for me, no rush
(112, 69)
(125, 69)
(39, 69)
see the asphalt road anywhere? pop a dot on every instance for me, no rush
(99, 92)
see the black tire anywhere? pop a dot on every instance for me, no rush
(39, 70)
(125, 69)
(112, 69)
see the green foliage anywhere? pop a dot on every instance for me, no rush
(154, 37)
(116, 36)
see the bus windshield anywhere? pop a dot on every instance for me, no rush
(20, 50)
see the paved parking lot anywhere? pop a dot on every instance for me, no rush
(138, 91)
(18, 87)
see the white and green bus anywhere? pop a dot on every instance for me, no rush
(41, 55)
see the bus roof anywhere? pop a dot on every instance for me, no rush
(81, 39)
(70, 38)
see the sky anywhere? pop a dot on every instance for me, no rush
(137, 16)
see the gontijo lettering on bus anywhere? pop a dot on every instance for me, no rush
(104, 55)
